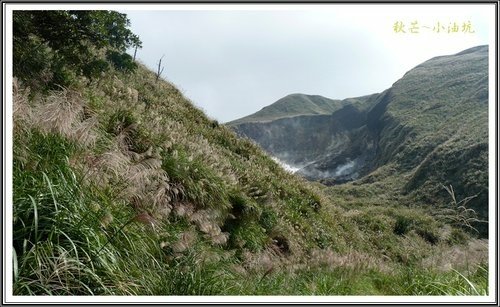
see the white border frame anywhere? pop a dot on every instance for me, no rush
(9, 298)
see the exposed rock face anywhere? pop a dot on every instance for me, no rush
(307, 141)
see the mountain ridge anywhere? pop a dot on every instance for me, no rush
(292, 105)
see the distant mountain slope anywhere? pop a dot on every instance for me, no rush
(435, 127)
(430, 128)
(293, 105)
(302, 139)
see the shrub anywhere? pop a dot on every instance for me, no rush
(121, 61)
(268, 219)
(120, 120)
(457, 236)
(49, 43)
(403, 225)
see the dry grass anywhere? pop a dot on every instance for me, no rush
(85, 132)
(263, 262)
(59, 112)
(184, 242)
(353, 259)
(22, 112)
(468, 257)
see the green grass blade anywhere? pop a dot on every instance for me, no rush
(49, 184)
(35, 217)
(15, 264)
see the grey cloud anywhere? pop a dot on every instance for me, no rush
(233, 63)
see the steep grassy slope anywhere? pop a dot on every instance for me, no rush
(129, 151)
(448, 142)
(123, 187)
(434, 129)
(429, 130)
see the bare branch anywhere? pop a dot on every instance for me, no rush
(160, 69)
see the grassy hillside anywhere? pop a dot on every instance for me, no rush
(290, 106)
(123, 187)
(434, 130)
(125, 184)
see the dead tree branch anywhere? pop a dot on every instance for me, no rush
(160, 69)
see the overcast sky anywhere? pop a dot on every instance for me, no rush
(231, 61)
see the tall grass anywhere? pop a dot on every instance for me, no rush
(451, 283)
(144, 195)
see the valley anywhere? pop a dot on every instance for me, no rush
(430, 126)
